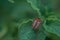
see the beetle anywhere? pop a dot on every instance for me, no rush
(36, 23)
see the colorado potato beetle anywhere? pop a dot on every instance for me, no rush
(36, 23)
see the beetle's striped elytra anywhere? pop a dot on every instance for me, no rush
(36, 23)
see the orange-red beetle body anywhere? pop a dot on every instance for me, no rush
(36, 23)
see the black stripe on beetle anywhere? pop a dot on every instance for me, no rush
(36, 23)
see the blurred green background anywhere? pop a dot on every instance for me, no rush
(12, 14)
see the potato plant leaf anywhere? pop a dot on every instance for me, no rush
(34, 5)
(26, 32)
(53, 28)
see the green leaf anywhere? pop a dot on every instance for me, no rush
(53, 36)
(26, 32)
(53, 27)
(34, 5)
(41, 35)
